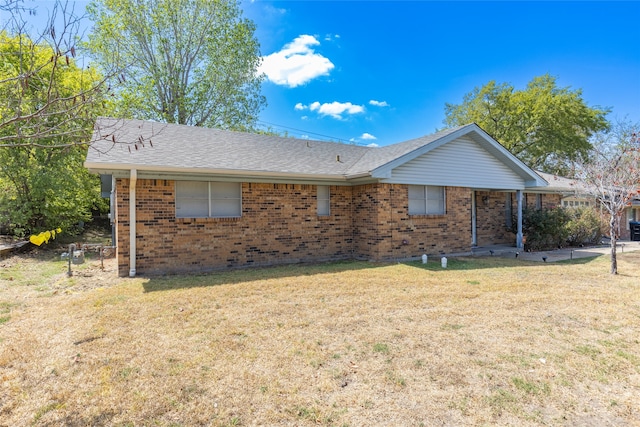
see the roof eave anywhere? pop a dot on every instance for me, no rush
(122, 171)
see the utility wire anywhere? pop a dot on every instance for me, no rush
(332, 138)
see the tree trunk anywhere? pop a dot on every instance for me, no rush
(613, 229)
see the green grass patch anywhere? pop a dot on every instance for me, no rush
(530, 387)
(381, 348)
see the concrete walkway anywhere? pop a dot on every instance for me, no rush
(553, 255)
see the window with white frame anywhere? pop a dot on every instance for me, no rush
(202, 199)
(324, 200)
(426, 200)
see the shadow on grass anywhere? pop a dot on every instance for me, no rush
(217, 278)
(170, 282)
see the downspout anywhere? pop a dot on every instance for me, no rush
(519, 243)
(112, 211)
(132, 222)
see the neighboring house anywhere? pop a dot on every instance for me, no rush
(572, 197)
(202, 199)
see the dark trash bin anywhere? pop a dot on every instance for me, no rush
(634, 228)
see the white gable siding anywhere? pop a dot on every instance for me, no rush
(459, 163)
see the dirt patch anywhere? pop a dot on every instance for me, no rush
(38, 272)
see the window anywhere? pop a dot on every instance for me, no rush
(323, 200)
(426, 200)
(200, 199)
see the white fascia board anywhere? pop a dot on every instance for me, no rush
(148, 172)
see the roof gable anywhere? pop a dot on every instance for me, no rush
(472, 132)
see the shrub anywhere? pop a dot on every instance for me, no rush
(556, 227)
(545, 228)
(584, 226)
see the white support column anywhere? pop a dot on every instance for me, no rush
(519, 242)
(133, 178)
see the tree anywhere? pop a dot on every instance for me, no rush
(190, 62)
(41, 103)
(48, 105)
(612, 175)
(545, 126)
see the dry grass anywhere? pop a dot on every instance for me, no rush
(486, 342)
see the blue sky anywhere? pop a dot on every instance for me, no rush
(381, 72)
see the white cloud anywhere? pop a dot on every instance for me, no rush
(296, 64)
(365, 137)
(300, 107)
(337, 110)
(378, 103)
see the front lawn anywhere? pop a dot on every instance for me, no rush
(488, 341)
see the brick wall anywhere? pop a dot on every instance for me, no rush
(491, 214)
(491, 219)
(279, 225)
(384, 230)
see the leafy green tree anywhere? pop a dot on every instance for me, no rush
(47, 108)
(547, 127)
(190, 62)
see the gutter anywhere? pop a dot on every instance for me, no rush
(101, 168)
(133, 178)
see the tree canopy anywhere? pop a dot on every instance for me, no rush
(45, 98)
(190, 62)
(47, 109)
(546, 126)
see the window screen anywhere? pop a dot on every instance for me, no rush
(324, 200)
(201, 199)
(426, 200)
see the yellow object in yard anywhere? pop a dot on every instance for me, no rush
(44, 237)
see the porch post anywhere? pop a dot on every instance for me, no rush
(519, 243)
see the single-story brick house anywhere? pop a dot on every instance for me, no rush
(197, 199)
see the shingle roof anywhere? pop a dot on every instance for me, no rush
(560, 184)
(178, 147)
(169, 148)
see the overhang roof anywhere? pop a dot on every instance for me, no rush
(559, 184)
(165, 149)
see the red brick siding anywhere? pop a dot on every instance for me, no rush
(491, 216)
(279, 225)
(383, 229)
(491, 219)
